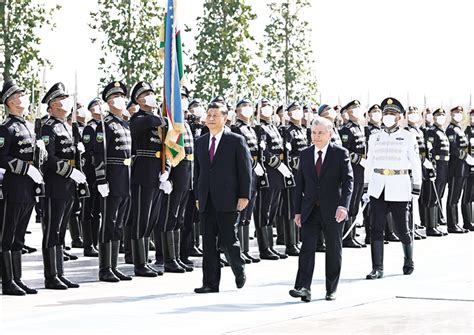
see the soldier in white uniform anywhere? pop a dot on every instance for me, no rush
(393, 153)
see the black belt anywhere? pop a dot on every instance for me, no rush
(148, 153)
(119, 161)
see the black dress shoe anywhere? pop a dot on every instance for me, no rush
(292, 250)
(253, 259)
(77, 244)
(468, 226)
(108, 276)
(330, 296)
(70, 256)
(279, 254)
(30, 250)
(456, 230)
(321, 248)
(246, 260)
(363, 245)
(224, 262)
(68, 283)
(143, 271)
(240, 280)
(433, 232)
(159, 272)
(375, 274)
(195, 252)
(187, 261)
(54, 283)
(391, 237)
(267, 254)
(206, 289)
(302, 293)
(408, 266)
(25, 287)
(120, 275)
(186, 267)
(350, 243)
(91, 252)
(11, 288)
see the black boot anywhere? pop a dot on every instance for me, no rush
(376, 248)
(60, 268)
(114, 260)
(408, 265)
(51, 280)
(270, 243)
(452, 213)
(89, 249)
(280, 228)
(147, 244)
(177, 248)
(75, 231)
(263, 245)
(246, 246)
(240, 235)
(169, 255)
(290, 238)
(467, 215)
(431, 222)
(16, 263)
(139, 260)
(105, 263)
(127, 245)
(9, 287)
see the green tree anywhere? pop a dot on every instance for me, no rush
(129, 35)
(222, 63)
(20, 21)
(288, 54)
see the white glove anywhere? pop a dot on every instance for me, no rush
(288, 146)
(34, 174)
(363, 162)
(415, 197)
(42, 150)
(103, 190)
(259, 170)
(365, 198)
(283, 169)
(80, 147)
(263, 145)
(427, 164)
(470, 160)
(78, 176)
(164, 176)
(40, 145)
(166, 187)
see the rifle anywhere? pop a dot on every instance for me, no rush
(261, 180)
(82, 189)
(37, 157)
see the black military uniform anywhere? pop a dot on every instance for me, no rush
(243, 128)
(17, 143)
(90, 215)
(146, 169)
(353, 139)
(112, 159)
(440, 151)
(467, 203)
(266, 204)
(458, 171)
(59, 171)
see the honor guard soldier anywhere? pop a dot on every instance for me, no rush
(244, 111)
(61, 179)
(467, 203)
(112, 158)
(266, 204)
(147, 136)
(392, 154)
(308, 117)
(329, 113)
(297, 139)
(428, 118)
(427, 169)
(440, 151)
(173, 205)
(91, 205)
(17, 146)
(353, 139)
(459, 167)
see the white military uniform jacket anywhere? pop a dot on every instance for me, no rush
(396, 150)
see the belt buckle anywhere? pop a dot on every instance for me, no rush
(437, 157)
(158, 154)
(387, 172)
(127, 161)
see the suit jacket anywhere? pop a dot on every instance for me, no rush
(333, 188)
(228, 178)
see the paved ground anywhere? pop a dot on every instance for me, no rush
(437, 298)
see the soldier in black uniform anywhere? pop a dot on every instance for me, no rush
(147, 138)
(353, 139)
(266, 204)
(173, 205)
(297, 139)
(61, 179)
(467, 203)
(90, 212)
(458, 168)
(112, 158)
(17, 144)
(440, 151)
(244, 112)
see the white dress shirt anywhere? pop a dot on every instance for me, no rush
(218, 137)
(316, 155)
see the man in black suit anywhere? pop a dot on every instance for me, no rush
(222, 182)
(323, 192)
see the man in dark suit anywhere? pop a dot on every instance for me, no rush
(323, 192)
(222, 182)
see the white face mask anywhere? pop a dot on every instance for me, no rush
(134, 109)
(66, 104)
(150, 101)
(376, 116)
(413, 117)
(308, 116)
(457, 117)
(389, 120)
(184, 105)
(331, 113)
(429, 118)
(81, 112)
(247, 111)
(230, 114)
(440, 120)
(357, 113)
(126, 113)
(24, 102)
(198, 111)
(297, 114)
(119, 103)
(267, 111)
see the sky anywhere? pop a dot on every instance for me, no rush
(364, 49)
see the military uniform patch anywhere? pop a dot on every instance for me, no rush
(100, 137)
(87, 138)
(344, 138)
(45, 139)
(2, 142)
